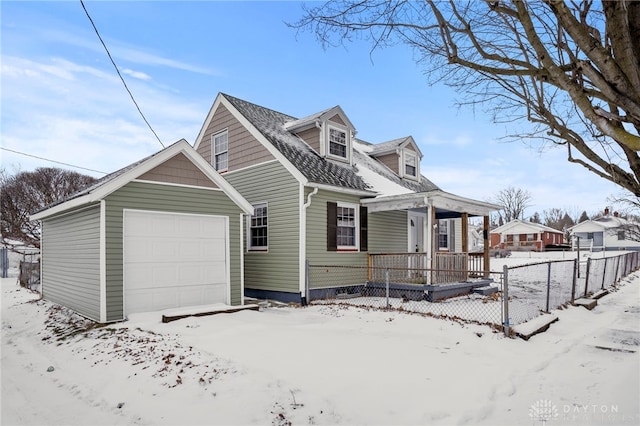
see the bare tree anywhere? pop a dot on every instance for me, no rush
(571, 68)
(514, 201)
(583, 217)
(630, 224)
(535, 218)
(25, 193)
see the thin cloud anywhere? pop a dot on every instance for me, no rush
(123, 51)
(136, 74)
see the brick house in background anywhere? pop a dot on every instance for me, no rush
(521, 235)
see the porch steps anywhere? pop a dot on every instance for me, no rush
(485, 291)
(445, 291)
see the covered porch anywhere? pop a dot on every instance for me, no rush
(435, 257)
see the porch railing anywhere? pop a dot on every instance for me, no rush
(416, 268)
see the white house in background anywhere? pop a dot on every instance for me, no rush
(608, 232)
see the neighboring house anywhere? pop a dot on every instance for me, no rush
(165, 232)
(521, 235)
(608, 232)
(323, 196)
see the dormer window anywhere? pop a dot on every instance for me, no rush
(410, 165)
(338, 143)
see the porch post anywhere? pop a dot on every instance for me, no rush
(428, 241)
(485, 235)
(465, 242)
(465, 232)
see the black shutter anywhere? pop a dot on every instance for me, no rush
(332, 226)
(364, 237)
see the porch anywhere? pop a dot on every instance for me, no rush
(406, 276)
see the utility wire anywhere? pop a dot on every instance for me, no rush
(118, 71)
(53, 161)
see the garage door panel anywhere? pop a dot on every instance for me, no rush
(174, 260)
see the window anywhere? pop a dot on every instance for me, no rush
(410, 165)
(531, 237)
(621, 235)
(337, 142)
(346, 236)
(220, 148)
(443, 235)
(258, 238)
(346, 227)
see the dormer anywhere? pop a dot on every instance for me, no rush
(330, 133)
(401, 155)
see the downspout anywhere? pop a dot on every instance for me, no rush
(243, 224)
(103, 261)
(304, 291)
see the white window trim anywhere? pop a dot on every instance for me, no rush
(443, 229)
(347, 137)
(356, 213)
(409, 154)
(213, 150)
(251, 247)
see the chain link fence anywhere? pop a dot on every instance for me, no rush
(530, 289)
(539, 287)
(407, 290)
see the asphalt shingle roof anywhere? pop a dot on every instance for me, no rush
(314, 167)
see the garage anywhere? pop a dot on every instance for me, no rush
(164, 232)
(174, 260)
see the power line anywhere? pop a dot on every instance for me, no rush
(119, 75)
(52, 161)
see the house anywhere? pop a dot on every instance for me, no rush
(324, 197)
(521, 235)
(607, 232)
(165, 232)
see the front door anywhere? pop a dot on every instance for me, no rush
(417, 262)
(416, 232)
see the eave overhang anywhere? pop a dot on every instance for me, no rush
(447, 205)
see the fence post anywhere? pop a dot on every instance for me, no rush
(386, 281)
(548, 284)
(586, 278)
(505, 299)
(4, 262)
(578, 256)
(604, 271)
(576, 267)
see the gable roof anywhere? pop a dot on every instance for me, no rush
(603, 223)
(310, 120)
(116, 180)
(365, 175)
(393, 146)
(315, 168)
(526, 225)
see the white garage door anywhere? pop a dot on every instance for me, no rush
(174, 260)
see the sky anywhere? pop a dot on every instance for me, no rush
(63, 101)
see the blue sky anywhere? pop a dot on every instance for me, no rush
(62, 99)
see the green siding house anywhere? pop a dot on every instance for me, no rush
(165, 232)
(325, 197)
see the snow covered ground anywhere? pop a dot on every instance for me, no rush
(318, 365)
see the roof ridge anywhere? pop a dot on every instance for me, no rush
(230, 97)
